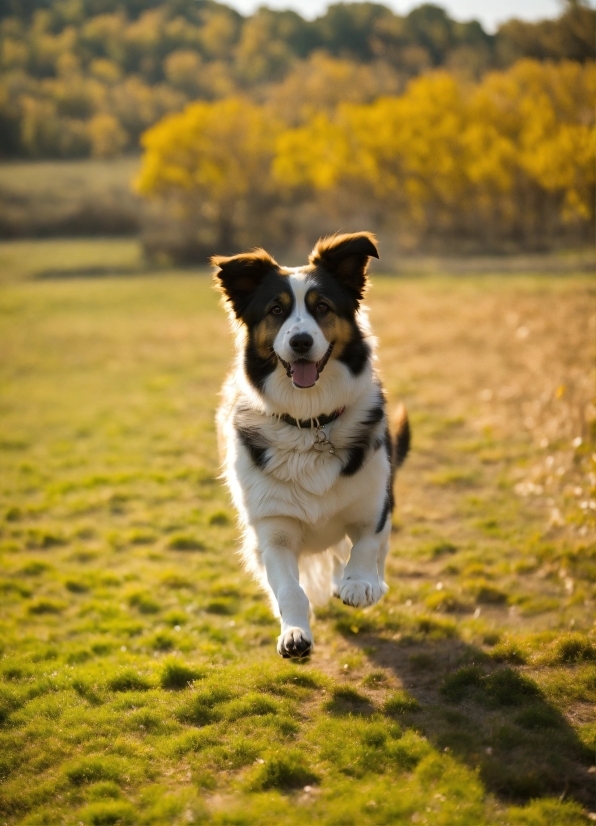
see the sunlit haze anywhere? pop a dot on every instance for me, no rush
(490, 12)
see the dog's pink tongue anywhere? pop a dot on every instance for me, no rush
(304, 373)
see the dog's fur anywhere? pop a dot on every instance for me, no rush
(316, 522)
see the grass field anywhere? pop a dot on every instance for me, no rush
(139, 679)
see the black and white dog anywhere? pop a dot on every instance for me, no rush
(308, 454)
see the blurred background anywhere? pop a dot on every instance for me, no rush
(198, 127)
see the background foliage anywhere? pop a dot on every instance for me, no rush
(86, 77)
(272, 130)
(506, 161)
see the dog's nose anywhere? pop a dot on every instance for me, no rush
(301, 342)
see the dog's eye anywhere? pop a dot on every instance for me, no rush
(276, 309)
(323, 308)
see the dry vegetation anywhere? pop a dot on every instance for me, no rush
(139, 682)
(74, 198)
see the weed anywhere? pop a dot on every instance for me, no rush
(539, 717)
(128, 680)
(144, 602)
(285, 773)
(400, 702)
(346, 700)
(35, 567)
(220, 518)
(109, 813)
(457, 684)
(375, 679)
(250, 705)
(442, 548)
(163, 642)
(445, 601)
(484, 592)
(509, 651)
(46, 606)
(204, 706)
(175, 675)
(92, 769)
(572, 648)
(185, 542)
(106, 789)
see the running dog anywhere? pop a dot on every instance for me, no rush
(306, 445)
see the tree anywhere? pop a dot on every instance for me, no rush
(210, 166)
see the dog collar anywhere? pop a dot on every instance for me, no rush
(316, 421)
(322, 441)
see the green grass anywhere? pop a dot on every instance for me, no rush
(139, 682)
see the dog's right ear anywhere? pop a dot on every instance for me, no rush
(238, 276)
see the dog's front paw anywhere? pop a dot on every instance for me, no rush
(361, 592)
(294, 643)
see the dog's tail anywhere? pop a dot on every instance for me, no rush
(401, 436)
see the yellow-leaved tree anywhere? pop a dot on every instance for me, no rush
(211, 166)
(545, 114)
(511, 159)
(504, 163)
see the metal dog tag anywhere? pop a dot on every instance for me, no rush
(321, 441)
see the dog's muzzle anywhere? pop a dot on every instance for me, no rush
(304, 373)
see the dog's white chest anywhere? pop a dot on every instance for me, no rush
(307, 485)
(297, 479)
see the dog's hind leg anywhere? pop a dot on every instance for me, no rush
(381, 557)
(341, 554)
(315, 576)
(279, 546)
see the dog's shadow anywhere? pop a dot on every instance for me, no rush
(489, 715)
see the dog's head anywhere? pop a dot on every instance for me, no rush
(298, 320)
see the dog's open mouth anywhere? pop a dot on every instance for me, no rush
(306, 373)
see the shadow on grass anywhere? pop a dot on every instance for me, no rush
(86, 272)
(491, 716)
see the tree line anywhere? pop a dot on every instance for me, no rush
(87, 77)
(500, 164)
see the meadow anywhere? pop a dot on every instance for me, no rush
(74, 198)
(139, 682)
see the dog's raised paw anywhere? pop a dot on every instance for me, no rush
(294, 643)
(361, 592)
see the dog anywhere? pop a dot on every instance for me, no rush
(307, 451)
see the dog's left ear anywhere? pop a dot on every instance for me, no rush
(238, 276)
(346, 258)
